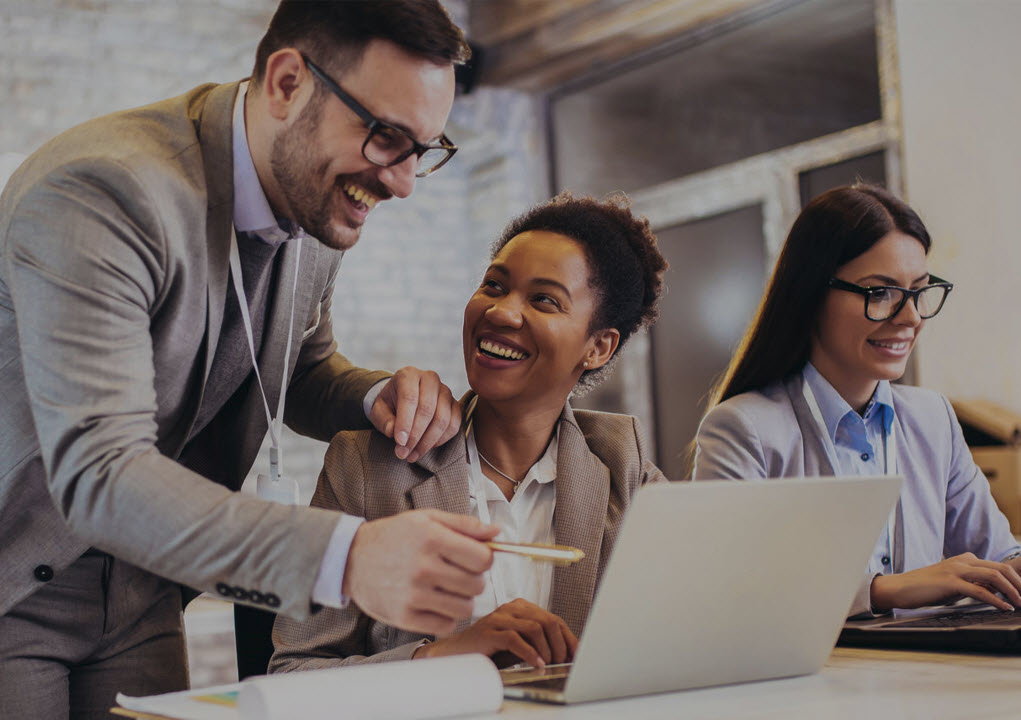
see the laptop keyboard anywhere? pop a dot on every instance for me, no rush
(951, 620)
(556, 684)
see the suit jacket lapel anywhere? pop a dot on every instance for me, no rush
(212, 117)
(448, 486)
(450, 481)
(583, 485)
(903, 454)
(816, 459)
(215, 130)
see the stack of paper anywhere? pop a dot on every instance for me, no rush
(410, 690)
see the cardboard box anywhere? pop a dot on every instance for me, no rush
(994, 435)
(1002, 467)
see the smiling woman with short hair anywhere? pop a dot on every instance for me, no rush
(570, 281)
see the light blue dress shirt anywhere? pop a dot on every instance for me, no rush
(859, 440)
(945, 506)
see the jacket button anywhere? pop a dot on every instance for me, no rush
(239, 593)
(223, 589)
(272, 600)
(257, 597)
(43, 573)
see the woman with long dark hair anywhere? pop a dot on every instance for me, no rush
(808, 393)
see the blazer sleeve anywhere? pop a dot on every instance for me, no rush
(727, 446)
(973, 521)
(334, 637)
(326, 390)
(85, 262)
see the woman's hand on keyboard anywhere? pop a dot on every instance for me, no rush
(520, 628)
(960, 576)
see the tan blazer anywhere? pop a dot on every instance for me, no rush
(601, 462)
(114, 245)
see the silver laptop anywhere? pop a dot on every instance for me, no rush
(721, 582)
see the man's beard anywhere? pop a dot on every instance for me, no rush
(302, 176)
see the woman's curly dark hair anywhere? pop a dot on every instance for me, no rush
(626, 268)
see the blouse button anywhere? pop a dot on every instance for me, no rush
(885, 560)
(865, 457)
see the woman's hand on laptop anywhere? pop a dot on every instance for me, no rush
(959, 576)
(518, 628)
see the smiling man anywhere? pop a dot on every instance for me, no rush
(165, 285)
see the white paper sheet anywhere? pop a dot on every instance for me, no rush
(409, 690)
(183, 704)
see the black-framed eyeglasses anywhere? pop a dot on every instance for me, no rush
(885, 301)
(385, 144)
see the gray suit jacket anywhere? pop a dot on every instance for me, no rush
(601, 462)
(945, 506)
(113, 273)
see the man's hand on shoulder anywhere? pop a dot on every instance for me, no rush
(417, 410)
(419, 570)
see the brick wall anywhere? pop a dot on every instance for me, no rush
(402, 288)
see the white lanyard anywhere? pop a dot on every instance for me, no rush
(276, 487)
(889, 456)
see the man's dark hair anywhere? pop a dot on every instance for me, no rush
(625, 265)
(334, 34)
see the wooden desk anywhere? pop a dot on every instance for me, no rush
(855, 683)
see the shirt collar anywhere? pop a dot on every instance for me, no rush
(834, 408)
(545, 469)
(252, 213)
(882, 402)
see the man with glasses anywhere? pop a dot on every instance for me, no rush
(164, 300)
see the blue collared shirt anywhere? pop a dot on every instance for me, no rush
(945, 505)
(860, 440)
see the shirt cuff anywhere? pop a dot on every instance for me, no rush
(330, 580)
(371, 395)
(861, 606)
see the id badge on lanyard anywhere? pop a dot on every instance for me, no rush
(276, 487)
(889, 457)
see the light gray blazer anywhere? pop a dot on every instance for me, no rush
(114, 245)
(945, 506)
(601, 462)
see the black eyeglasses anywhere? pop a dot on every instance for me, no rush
(387, 145)
(885, 301)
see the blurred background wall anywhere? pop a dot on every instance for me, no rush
(962, 145)
(718, 118)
